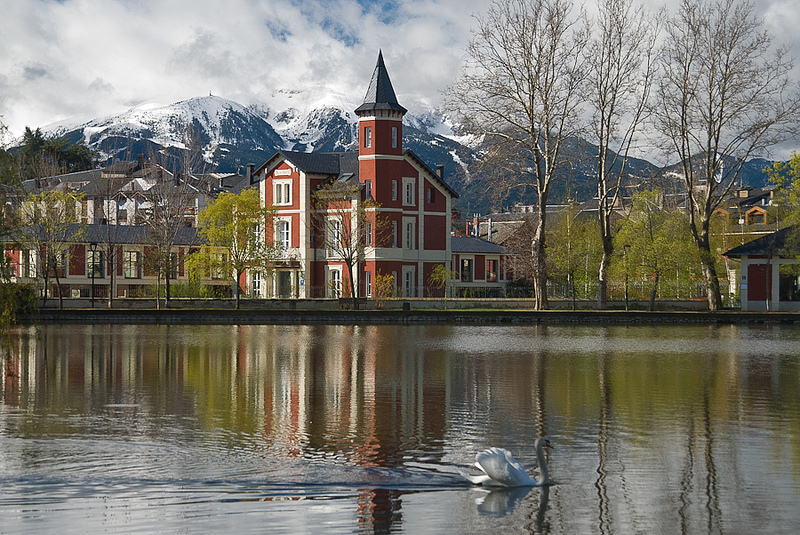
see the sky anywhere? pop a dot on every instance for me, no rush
(75, 60)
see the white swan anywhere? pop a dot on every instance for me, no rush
(500, 468)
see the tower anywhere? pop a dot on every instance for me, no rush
(380, 130)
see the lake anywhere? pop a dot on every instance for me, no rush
(341, 429)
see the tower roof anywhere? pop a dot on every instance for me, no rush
(380, 94)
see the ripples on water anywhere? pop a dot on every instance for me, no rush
(341, 429)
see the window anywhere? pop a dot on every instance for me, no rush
(94, 264)
(334, 283)
(394, 137)
(789, 283)
(368, 233)
(218, 266)
(394, 190)
(430, 196)
(368, 283)
(466, 270)
(409, 235)
(173, 266)
(367, 136)
(283, 235)
(282, 194)
(131, 265)
(28, 268)
(408, 283)
(61, 265)
(333, 240)
(408, 191)
(256, 284)
(491, 271)
(394, 233)
(368, 188)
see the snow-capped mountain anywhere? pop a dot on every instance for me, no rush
(231, 135)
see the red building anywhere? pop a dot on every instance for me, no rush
(390, 210)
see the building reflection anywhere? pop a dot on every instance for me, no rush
(373, 397)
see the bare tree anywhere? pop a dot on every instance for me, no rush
(621, 67)
(520, 89)
(172, 207)
(724, 97)
(350, 224)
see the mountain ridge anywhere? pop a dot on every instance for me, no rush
(232, 135)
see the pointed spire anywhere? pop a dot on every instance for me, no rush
(380, 94)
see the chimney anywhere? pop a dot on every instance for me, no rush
(250, 168)
(440, 171)
(140, 161)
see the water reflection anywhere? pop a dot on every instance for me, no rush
(656, 429)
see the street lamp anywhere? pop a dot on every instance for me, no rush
(93, 247)
(625, 258)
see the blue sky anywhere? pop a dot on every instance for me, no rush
(80, 59)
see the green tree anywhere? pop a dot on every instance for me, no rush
(440, 277)
(655, 241)
(574, 251)
(48, 226)
(233, 227)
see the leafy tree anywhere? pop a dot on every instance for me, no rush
(383, 288)
(655, 241)
(520, 89)
(440, 277)
(725, 96)
(233, 224)
(49, 225)
(574, 250)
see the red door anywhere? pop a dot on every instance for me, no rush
(758, 287)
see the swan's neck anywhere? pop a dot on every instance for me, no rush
(545, 479)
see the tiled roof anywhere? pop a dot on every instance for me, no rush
(461, 245)
(324, 163)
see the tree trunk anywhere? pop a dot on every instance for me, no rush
(605, 260)
(539, 258)
(653, 292)
(236, 291)
(713, 293)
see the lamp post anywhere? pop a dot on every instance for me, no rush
(625, 258)
(93, 247)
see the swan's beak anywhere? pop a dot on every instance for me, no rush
(548, 445)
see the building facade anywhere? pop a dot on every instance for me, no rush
(379, 211)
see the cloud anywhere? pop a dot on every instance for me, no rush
(88, 58)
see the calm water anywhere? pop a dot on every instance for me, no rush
(343, 429)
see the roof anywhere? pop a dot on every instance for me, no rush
(127, 234)
(380, 93)
(784, 242)
(321, 163)
(460, 245)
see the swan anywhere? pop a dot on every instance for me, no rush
(500, 468)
